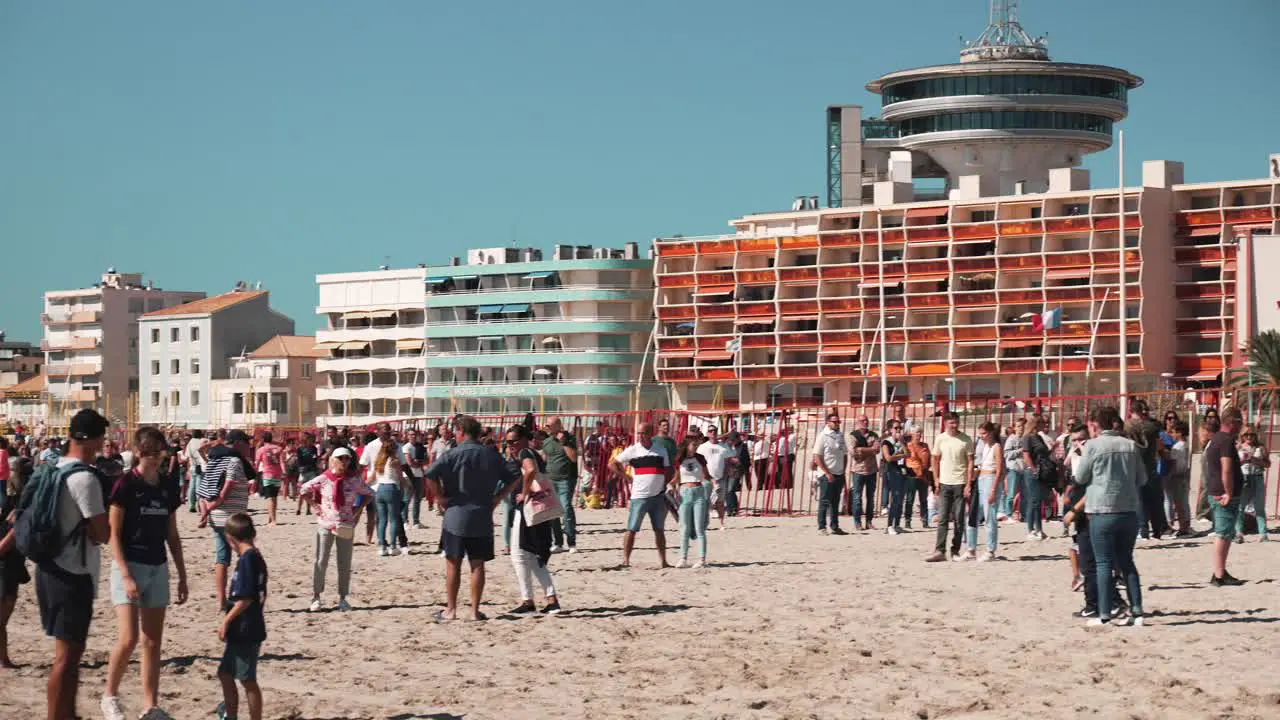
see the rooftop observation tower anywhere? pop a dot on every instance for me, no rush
(1006, 112)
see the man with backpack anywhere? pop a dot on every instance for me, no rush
(62, 520)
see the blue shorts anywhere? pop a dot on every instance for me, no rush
(152, 582)
(221, 549)
(655, 507)
(1224, 517)
(240, 661)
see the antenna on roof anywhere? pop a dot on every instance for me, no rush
(1004, 38)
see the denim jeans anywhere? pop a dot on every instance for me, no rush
(1012, 484)
(1032, 502)
(412, 509)
(566, 528)
(1254, 492)
(693, 519)
(1177, 491)
(864, 484)
(980, 511)
(951, 509)
(389, 500)
(896, 483)
(829, 488)
(508, 516)
(915, 487)
(196, 476)
(1089, 571)
(1113, 535)
(1151, 517)
(731, 483)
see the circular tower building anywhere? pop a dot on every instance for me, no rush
(1005, 113)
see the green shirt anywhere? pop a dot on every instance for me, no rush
(559, 466)
(667, 444)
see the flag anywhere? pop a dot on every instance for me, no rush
(733, 345)
(1047, 320)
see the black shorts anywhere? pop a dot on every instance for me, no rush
(266, 492)
(66, 603)
(475, 549)
(13, 572)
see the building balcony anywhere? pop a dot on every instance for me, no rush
(758, 245)
(371, 362)
(1197, 291)
(1109, 258)
(716, 277)
(893, 235)
(757, 277)
(807, 274)
(1199, 217)
(843, 239)
(77, 317)
(1201, 326)
(369, 334)
(928, 234)
(799, 242)
(688, 279)
(79, 342)
(72, 369)
(1073, 225)
(841, 272)
(984, 263)
(1199, 255)
(974, 299)
(803, 307)
(1236, 216)
(1016, 228)
(1132, 221)
(974, 231)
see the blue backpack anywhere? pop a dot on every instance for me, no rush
(35, 528)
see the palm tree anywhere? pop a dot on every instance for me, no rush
(1260, 380)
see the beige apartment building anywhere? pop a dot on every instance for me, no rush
(90, 343)
(273, 385)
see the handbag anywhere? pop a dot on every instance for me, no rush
(542, 505)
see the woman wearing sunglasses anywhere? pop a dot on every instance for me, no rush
(334, 493)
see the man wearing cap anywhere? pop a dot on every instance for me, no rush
(65, 586)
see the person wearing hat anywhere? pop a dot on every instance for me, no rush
(66, 585)
(334, 493)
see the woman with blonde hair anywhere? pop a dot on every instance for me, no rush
(1254, 461)
(389, 492)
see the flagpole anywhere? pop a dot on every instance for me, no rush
(1124, 294)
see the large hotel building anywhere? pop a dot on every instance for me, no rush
(956, 221)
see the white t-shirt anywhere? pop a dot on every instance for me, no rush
(194, 459)
(760, 450)
(370, 456)
(715, 454)
(830, 446)
(648, 469)
(80, 500)
(691, 471)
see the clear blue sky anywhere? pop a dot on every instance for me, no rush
(205, 142)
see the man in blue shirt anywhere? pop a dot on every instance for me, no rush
(470, 480)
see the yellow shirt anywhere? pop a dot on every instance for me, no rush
(955, 455)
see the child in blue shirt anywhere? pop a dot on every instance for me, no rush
(243, 627)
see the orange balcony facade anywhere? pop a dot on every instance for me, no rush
(1199, 255)
(1201, 217)
(1067, 225)
(677, 281)
(807, 274)
(1196, 292)
(1202, 326)
(1249, 215)
(978, 231)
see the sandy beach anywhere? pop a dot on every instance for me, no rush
(785, 624)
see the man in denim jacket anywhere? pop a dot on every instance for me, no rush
(1111, 472)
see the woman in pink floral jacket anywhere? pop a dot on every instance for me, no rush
(334, 492)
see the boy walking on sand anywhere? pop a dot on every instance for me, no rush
(243, 628)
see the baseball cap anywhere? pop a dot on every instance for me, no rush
(342, 452)
(88, 425)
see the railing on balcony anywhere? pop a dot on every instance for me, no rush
(1201, 217)
(1248, 215)
(1199, 254)
(1067, 225)
(756, 245)
(976, 231)
(1204, 290)
(677, 281)
(757, 277)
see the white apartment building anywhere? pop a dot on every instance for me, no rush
(372, 346)
(184, 348)
(273, 385)
(91, 343)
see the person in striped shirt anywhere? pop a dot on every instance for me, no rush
(225, 470)
(651, 472)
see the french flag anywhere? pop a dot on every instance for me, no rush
(1047, 320)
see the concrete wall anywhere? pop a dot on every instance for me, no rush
(1264, 301)
(1158, 275)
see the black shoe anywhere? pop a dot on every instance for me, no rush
(525, 609)
(1225, 581)
(1086, 613)
(838, 531)
(552, 609)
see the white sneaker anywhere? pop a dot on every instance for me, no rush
(573, 550)
(700, 564)
(682, 563)
(986, 557)
(111, 709)
(315, 605)
(957, 558)
(442, 554)
(382, 551)
(155, 713)
(1097, 622)
(344, 606)
(557, 549)
(888, 531)
(404, 551)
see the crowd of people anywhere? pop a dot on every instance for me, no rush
(1111, 482)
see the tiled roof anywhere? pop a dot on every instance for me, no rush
(289, 346)
(30, 385)
(209, 305)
